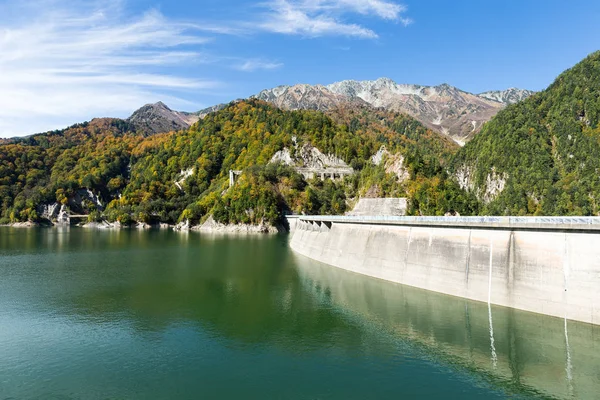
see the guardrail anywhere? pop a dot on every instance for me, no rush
(484, 222)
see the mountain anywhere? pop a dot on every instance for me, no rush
(110, 169)
(444, 108)
(542, 155)
(157, 118)
(508, 96)
(305, 97)
(205, 111)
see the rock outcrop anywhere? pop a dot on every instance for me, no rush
(393, 163)
(311, 162)
(212, 226)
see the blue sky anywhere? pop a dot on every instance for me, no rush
(66, 61)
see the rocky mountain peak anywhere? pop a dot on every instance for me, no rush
(158, 117)
(304, 96)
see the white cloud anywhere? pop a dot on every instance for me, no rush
(71, 63)
(383, 9)
(65, 61)
(315, 18)
(253, 65)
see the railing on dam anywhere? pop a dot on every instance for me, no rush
(483, 222)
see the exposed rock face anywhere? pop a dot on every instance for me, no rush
(379, 156)
(183, 175)
(63, 216)
(212, 226)
(310, 162)
(157, 118)
(443, 108)
(283, 156)
(304, 97)
(508, 96)
(102, 225)
(204, 112)
(311, 157)
(494, 183)
(464, 178)
(54, 212)
(182, 226)
(308, 156)
(394, 163)
(82, 199)
(49, 211)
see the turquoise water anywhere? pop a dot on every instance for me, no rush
(90, 314)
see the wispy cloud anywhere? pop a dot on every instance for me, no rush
(383, 9)
(89, 60)
(315, 18)
(253, 65)
(64, 61)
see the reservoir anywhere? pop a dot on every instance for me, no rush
(128, 314)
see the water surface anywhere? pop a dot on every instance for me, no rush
(160, 315)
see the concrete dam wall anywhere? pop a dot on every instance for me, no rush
(544, 265)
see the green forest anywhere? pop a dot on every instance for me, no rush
(135, 176)
(542, 155)
(547, 147)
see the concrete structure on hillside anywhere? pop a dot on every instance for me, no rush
(395, 206)
(325, 173)
(540, 264)
(233, 175)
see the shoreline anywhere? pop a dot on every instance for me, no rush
(209, 226)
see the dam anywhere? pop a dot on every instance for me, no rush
(545, 265)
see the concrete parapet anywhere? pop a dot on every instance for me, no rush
(544, 265)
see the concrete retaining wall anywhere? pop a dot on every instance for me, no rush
(545, 270)
(379, 206)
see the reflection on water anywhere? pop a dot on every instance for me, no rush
(525, 351)
(153, 315)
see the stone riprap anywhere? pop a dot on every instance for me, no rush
(544, 265)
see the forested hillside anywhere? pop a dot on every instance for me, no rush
(540, 156)
(50, 167)
(184, 175)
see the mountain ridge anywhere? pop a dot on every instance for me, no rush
(508, 96)
(443, 108)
